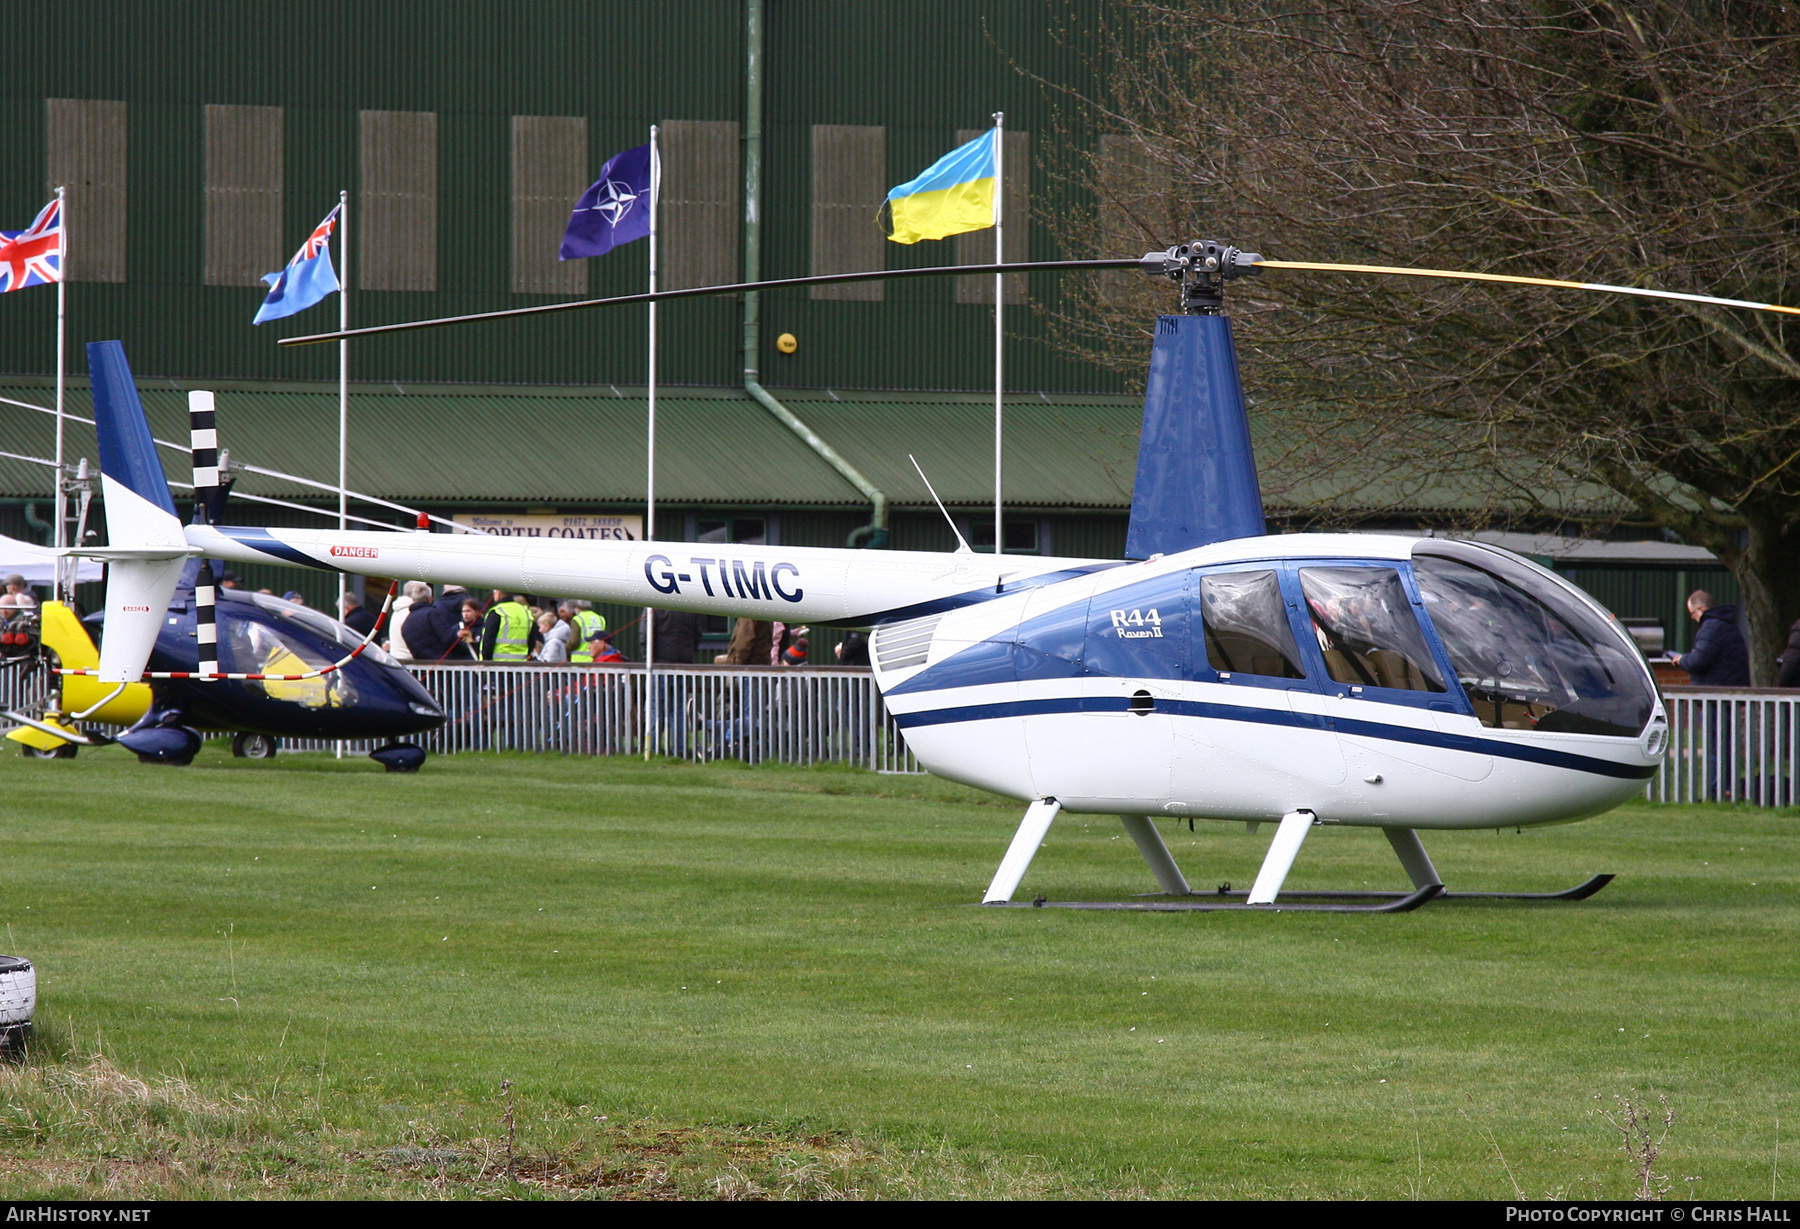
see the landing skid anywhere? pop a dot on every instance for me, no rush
(1404, 904)
(1265, 895)
(1580, 891)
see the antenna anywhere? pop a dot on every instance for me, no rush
(962, 547)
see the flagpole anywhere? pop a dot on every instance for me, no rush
(343, 390)
(999, 325)
(61, 590)
(650, 477)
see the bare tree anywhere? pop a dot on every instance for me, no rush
(1635, 142)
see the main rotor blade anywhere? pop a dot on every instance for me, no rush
(1511, 279)
(825, 279)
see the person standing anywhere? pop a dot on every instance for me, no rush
(355, 616)
(752, 644)
(1790, 659)
(434, 631)
(584, 625)
(556, 631)
(417, 598)
(1719, 658)
(508, 633)
(677, 635)
(18, 595)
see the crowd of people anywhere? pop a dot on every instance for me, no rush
(512, 628)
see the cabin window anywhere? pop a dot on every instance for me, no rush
(1247, 630)
(1527, 666)
(1366, 629)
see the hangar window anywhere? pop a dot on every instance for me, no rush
(1246, 624)
(976, 247)
(849, 182)
(1132, 209)
(549, 170)
(1366, 628)
(1528, 666)
(1024, 536)
(699, 203)
(242, 204)
(84, 151)
(398, 239)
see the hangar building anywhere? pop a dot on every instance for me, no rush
(201, 143)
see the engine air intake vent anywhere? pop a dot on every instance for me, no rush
(899, 646)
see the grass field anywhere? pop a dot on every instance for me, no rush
(308, 977)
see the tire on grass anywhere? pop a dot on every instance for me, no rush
(254, 746)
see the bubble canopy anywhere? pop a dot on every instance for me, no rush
(1528, 650)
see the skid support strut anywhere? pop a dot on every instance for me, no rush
(1156, 852)
(1280, 859)
(1024, 847)
(1413, 857)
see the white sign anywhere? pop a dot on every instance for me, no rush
(596, 527)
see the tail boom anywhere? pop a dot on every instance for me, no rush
(795, 584)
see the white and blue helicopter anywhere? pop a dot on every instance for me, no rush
(1394, 682)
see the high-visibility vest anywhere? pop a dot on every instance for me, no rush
(513, 640)
(587, 624)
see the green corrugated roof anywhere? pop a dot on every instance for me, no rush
(451, 444)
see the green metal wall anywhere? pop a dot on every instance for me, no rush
(1654, 593)
(923, 70)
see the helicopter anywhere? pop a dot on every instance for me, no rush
(1220, 672)
(283, 647)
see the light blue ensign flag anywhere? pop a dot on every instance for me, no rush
(308, 277)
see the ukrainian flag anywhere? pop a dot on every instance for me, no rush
(952, 195)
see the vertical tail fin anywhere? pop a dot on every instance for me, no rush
(140, 518)
(1196, 474)
(139, 512)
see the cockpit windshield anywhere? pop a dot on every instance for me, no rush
(319, 624)
(1538, 660)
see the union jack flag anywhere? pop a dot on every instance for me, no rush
(33, 257)
(319, 238)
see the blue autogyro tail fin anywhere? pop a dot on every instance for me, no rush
(127, 451)
(146, 546)
(1196, 474)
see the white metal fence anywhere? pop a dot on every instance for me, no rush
(1740, 744)
(780, 714)
(24, 685)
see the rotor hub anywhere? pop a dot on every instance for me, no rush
(1201, 269)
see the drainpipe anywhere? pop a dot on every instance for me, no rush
(47, 528)
(875, 533)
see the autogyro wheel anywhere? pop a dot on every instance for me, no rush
(64, 752)
(253, 746)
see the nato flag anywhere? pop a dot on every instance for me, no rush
(615, 210)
